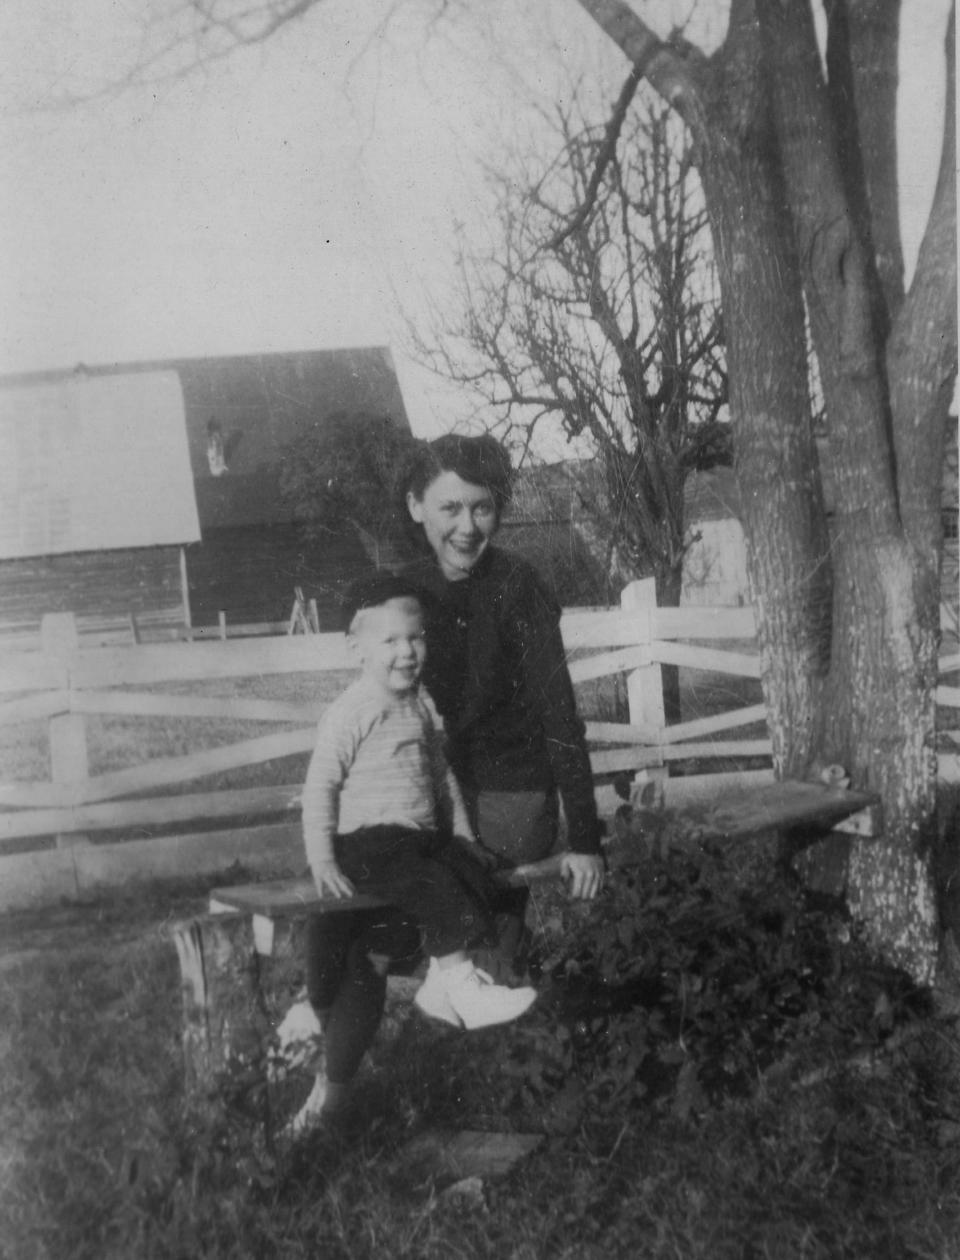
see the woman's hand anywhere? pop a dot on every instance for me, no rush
(330, 880)
(582, 873)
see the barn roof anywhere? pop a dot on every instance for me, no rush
(243, 412)
(94, 463)
(259, 405)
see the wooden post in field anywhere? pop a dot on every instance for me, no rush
(185, 594)
(645, 684)
(68, 731)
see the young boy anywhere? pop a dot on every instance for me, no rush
(382, 812)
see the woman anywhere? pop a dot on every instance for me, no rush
(495, 664)
(497, 672)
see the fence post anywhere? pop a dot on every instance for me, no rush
(68, 731)
(645, 684)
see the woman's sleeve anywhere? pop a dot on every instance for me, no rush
(452, 809)
(551, 690)
(459, 821)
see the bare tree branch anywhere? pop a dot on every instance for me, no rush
(605, 155)
(612, 327)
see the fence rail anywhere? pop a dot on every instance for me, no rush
(67, 681)
(163, 626)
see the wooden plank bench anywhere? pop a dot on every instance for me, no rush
(729, 816)
(252, 927)
(270, 902)
(784, 806)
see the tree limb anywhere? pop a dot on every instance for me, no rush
(666, 66)
(862, 45)
(922, 348)
(607, 150)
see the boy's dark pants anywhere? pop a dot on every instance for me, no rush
(345, 986)
(429, 875)
(441, 899)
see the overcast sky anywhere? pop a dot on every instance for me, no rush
(282, 200)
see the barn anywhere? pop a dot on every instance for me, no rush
(97, 505)
(240, 417)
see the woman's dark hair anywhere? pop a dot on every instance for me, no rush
(480, 460)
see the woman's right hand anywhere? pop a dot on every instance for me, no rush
(331, 881)
(583, 874)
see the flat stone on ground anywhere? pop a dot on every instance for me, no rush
(445, 1156)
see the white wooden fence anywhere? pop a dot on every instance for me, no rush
(64, 682)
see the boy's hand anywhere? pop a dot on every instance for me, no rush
(583, 874)
(330, 880)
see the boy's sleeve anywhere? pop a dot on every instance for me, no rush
(328, 768)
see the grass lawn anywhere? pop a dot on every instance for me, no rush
(716, 1066)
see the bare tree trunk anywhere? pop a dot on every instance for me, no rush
(669, 586)
(775, 454)
(881, 720)
(920, 365)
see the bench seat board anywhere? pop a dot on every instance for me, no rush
(281, 897)
(775, 806)
(729, 816)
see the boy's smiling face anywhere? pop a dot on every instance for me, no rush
(390, 643)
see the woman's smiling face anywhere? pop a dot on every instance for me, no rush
(459, 519)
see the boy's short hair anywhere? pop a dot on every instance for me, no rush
(373, 590)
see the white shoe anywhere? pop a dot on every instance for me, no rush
(468, 998)
(298, 1038)
(311, 1113)
(432, 996)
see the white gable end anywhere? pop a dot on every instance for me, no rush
(94, 463)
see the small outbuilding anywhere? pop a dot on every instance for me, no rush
(715, 565)
(715, 562)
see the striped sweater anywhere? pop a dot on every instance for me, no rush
(378, 759)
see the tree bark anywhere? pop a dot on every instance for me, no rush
(775, 455)
(862, 81)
